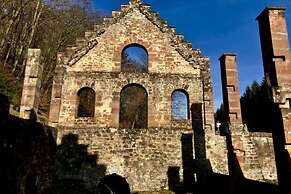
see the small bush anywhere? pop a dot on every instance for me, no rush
(8, 87)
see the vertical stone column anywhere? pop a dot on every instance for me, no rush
(277, 68)
(115, 108)
(56, 92)
(207, 96)
(32, 83)
(232, 115)
(231, 98)
(277, 61)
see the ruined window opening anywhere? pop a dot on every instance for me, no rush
(86, 102)
(134, 59)
(180, 105)
(133, 107)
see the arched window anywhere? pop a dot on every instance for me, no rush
(86, 102)
(134, 58)
(133, 107)
(180, 105)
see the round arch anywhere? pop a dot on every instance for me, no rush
(180, 105)
(86, 102)
(113, 183)
(134, 58)
(133, 107)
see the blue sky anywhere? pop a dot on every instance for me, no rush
(216, 26)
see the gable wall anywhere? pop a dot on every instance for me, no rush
(134, 28)
(100, 69)
(142, 156)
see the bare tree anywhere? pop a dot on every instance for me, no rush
(50, 25)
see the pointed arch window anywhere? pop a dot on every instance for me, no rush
(86, 102)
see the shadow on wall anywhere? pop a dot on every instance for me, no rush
(27, 153)
(76, 171)
(283, 161)
(113, 184)
(198, 174)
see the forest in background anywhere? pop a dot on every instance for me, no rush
(50, 25)
(256, 107)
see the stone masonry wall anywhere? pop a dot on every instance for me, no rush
(264, 148)
(32, 83)
(253, 152)
(277, 68)
(134, 28)
(277, 61)
(229, 77)
(108, 87)
(255, 155)
(142, 156)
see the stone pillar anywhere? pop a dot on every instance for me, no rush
(56, 92)
(231, 98)
(277, 68)
(232, 115)
(207, 96)
(115, 108)
(32, 83)
(277, 60)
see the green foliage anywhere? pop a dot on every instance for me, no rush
(219, 114)
(256, 106)
(133, 108)
(9, 89)
(134, 64)
(51, 25)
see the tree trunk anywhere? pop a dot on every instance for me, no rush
(15, 15)
(23, 49)
(20, 46)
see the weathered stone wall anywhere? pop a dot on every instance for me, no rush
(56, 92)
(134, 28)
(142, 156)
(231, 98)
(207, 95)
(108, 87)
(277, 61)
(256, 157)
(264, 148)
(277, 68)
(252, 153)
(31, 84)
(216, 153)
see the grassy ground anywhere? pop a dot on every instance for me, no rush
(156, 192)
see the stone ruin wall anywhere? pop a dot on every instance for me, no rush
(108, 87)
(142, 156)
(277, 68)
(256, 156)
(262, 148)
(254, 152)
(145, 156)
(32, 83)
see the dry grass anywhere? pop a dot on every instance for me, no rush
(156, 192)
